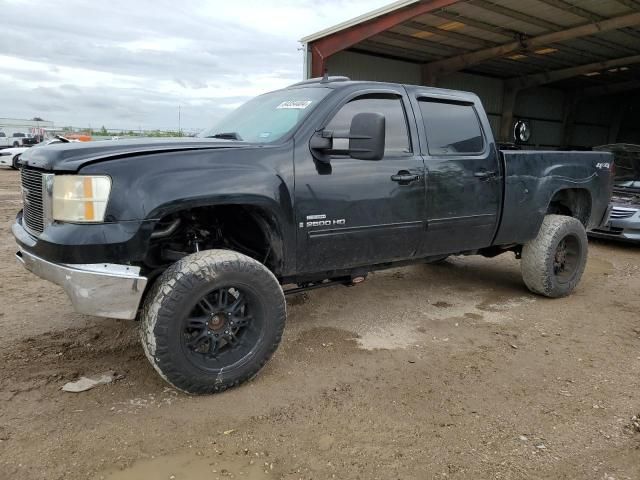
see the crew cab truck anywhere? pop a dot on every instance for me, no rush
(316, 184)
(16, 140)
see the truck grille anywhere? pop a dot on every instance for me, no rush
(618, 213)
(33, 213)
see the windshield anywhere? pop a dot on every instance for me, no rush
(269, 117)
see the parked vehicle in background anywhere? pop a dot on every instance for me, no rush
(624, 220)
(5, 140)
(30, 140)
(9, 156)
(17, 139)
(313, 185)
(24, 140)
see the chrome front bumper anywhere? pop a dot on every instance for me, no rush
(102, 290)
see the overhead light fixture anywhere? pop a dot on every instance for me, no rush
(591, 74)
(422, 34)
(624, 69)
(545, 51)
(613, 70)
(517, 56)
(451, 26)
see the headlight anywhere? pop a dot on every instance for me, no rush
(80, 198)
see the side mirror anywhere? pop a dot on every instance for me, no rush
(364, 141)
(367, 136)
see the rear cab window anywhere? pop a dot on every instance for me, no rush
(452, 128)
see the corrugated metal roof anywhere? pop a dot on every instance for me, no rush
(472, 25)
(392, 7)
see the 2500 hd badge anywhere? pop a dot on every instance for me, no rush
(321, 221)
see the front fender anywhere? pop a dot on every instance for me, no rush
(151, 187)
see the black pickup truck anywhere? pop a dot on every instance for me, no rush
(316, 184)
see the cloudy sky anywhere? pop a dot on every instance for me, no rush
(129, 64)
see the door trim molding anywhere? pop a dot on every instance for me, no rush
(480, 220)
(364, 229)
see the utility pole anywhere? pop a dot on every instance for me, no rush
(179, 120)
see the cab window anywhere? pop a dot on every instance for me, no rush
(451, 128)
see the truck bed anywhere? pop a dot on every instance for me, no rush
(533, 177)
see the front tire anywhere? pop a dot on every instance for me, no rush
(212, 321)
(554, 261)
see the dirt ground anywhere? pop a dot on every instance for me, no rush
(448, 371)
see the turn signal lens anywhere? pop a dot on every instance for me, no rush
(80, 198)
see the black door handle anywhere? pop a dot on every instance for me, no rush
(404, 177)
(484, 175)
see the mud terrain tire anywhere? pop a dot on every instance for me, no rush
(554, 261)
(196, 332)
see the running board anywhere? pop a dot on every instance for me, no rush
(347, 282)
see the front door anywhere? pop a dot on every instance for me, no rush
(354, 212)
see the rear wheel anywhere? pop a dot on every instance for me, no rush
(212, 321)
(554, 261)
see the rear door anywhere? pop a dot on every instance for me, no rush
(462, 174)
(354, 212)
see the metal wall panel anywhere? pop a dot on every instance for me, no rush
(494, 121)
(542, 106)
(590, 136)
(369, 67)
(488, 89)
(540, 103)
(546, 134)
(597, 111)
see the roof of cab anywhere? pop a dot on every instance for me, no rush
(343, 82)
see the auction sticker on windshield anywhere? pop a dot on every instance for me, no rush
(294, 105)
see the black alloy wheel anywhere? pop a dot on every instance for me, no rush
(223, 328)
(212, 321)
(567, 258)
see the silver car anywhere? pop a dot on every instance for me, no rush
(624, 216)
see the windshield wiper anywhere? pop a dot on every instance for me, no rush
(226, 136)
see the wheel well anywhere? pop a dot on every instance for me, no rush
(573, 202)
(246, 229)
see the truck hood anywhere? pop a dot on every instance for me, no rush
(628, 198)
(70, 157)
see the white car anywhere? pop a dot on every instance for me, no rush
(9, 156)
